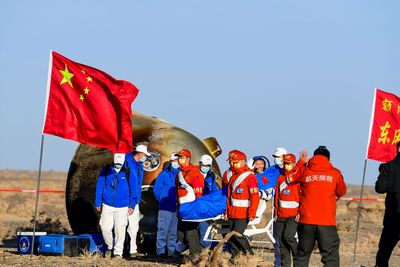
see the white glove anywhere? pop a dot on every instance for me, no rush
(270, 193)
(267, 194)
(263, 194)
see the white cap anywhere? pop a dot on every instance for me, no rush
(206, 160)
(174, 156)
(279, 151)
(119, 158)
(143, 149)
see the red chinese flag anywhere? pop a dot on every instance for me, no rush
(88, 105)
(385, 127)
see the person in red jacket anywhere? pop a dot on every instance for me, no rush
(321, 186)
(189, 186)
(242, 202)
(228, 173)
(286, 210)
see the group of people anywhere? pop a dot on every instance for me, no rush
(304, 194)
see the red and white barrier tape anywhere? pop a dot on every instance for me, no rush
(62, 192)
(363, 199)
(32, 191)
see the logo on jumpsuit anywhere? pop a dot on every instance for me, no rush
(239, 190)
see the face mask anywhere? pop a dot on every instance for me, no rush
(175, 165)
(278, 161)
(204, 169)
(143, 159)
(289, 167)
(237, 166)
(182, 162)
(117, 165)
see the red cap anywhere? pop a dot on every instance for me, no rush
(289, 158)
(185, 153)
(236, 155)
(231, 153)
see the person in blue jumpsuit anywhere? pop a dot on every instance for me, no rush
(165, 192)
(115, 199)
(135, 162)
(267, 178)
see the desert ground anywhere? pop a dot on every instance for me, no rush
(16, 212)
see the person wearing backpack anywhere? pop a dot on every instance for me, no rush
(114, 199)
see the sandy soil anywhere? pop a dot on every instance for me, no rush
(16, 211)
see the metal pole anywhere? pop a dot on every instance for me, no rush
(37, 193)
(359, 212)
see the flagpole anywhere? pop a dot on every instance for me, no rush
(37, 193)
(363, 179)
(41, 149)
(359, 211)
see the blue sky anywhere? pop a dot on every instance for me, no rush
(254, 74)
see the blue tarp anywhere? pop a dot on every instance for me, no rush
(207, 206)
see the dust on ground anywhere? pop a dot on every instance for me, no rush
(16, 212)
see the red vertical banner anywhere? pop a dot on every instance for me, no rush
(385, 126)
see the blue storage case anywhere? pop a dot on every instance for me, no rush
(64, 245)
(25, 242)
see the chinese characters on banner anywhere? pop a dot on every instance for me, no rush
(385, 127)
(88, 105)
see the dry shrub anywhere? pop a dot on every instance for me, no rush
(342, 227)
(91, 259)
(45, 224)
(217, 258)
(352, 204)
(251, 260)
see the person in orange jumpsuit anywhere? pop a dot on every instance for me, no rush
(286, 210)
(190, 185)
(321, 185)
(242, 202)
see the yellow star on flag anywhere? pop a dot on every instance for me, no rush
(67, 76)
(89, 79)
(81, 98)
(86, 90)
(83, 71)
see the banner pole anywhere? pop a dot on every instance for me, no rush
(359, 212)
(37, 194)
(363, 179)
